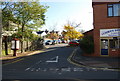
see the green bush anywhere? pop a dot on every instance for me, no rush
(87, 44)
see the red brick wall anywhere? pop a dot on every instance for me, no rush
(102, 21)
(114, 52)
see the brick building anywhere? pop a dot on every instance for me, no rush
(106, 15)
(89, 33)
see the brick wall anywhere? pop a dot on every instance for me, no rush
(102, 21)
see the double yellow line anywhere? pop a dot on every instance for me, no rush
(13, 61)
(21, 58)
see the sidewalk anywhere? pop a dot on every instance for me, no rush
(112, 63)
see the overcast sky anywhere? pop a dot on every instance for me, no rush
(75, 11)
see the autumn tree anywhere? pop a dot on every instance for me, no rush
(53, 35)
(70, 33)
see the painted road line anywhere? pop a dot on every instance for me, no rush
(39, 62)
(23, 58)
(56, 59)
(27, 69)
(13, 61)
(38, 69)
(33, 65)
(78, 69)
(32, 69)
(66, 69)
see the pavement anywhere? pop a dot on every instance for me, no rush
(110, 63)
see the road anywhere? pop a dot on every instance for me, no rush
(53, 64)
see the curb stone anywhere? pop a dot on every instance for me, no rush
(72, 58)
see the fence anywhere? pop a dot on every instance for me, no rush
(27, 45)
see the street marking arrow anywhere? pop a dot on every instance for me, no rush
(54, 59)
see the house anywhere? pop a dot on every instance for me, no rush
(106, 21)
(12, 28)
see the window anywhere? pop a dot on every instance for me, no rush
(104, 44)
(114, 43)
(114, 10)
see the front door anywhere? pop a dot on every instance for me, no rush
(104, 46)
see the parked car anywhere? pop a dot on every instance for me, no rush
(78, 41)
(54, 42)
(73, 43)
(59, 41)
(49, 42)
(63, 41)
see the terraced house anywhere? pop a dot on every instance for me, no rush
(106, 15)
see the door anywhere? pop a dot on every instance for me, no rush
(104, 46)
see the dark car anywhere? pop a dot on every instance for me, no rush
(63, 41)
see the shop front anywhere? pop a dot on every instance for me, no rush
(110, 42)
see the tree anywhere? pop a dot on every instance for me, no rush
(73, 24)
(30, 15)
(53, 35)
(70, 33)
(7, 16)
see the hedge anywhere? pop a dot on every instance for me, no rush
(87, 44)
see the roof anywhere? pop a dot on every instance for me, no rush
(105, 0)
(90, 32)
(98, 2)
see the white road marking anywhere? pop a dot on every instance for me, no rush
(33, 65)
(66, 69)
(38, 62)
(38, 69)
(60, 70)
(45, 70)
(27, 69)
(59, 73)
(78, 69)
(32, 69)
(56, 59)
(94, 69)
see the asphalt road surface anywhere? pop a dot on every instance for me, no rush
(53, 64)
